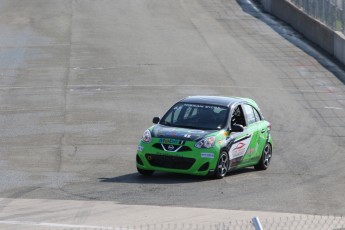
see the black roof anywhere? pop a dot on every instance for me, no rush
(212, 100)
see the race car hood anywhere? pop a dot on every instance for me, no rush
(161, 131)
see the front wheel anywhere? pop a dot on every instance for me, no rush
(222, 165)
(265, 159)
(145, 172)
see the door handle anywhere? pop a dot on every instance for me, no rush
(263, 130)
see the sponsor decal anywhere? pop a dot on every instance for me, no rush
(140, 148)
(194, 105)
(207, 155)
(175, 133)
(203, 106)
(239, 149)
(170, 141)
(171, 147)
(239, 146)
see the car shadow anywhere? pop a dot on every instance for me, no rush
(167, 178)
(156, 178)
(241, 171)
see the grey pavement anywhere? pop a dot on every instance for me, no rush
(108, 215)
(80, 80)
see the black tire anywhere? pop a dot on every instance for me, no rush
(265, 159)
(145, 172)
(222, 165)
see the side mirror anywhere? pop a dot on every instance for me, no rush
(237, 128)
(155, 120)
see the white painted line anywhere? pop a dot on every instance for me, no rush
(28, 87)
(193, 86)
(98, 87)
(333, 108)
(57, 225)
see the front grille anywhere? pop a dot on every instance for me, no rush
(171, 162)
(175, 147)
(158, 146)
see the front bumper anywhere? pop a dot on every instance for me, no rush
(187, 159)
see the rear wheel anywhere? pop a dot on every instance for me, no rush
(145, 172)
(265, 159)
(222, 165)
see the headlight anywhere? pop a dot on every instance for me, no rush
(206, 143)
(147, 136)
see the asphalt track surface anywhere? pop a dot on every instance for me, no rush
(80, 80)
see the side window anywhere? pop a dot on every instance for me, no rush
(248, 110)
(257, 115)
(238, 117)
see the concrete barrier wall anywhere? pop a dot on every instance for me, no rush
(331, 41)
(267, 4)
(339, 46)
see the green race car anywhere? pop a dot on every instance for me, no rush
(206, 135)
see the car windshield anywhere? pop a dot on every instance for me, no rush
(196, 116)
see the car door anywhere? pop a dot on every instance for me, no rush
(244, 143)
(253, 128)
(263, 132)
